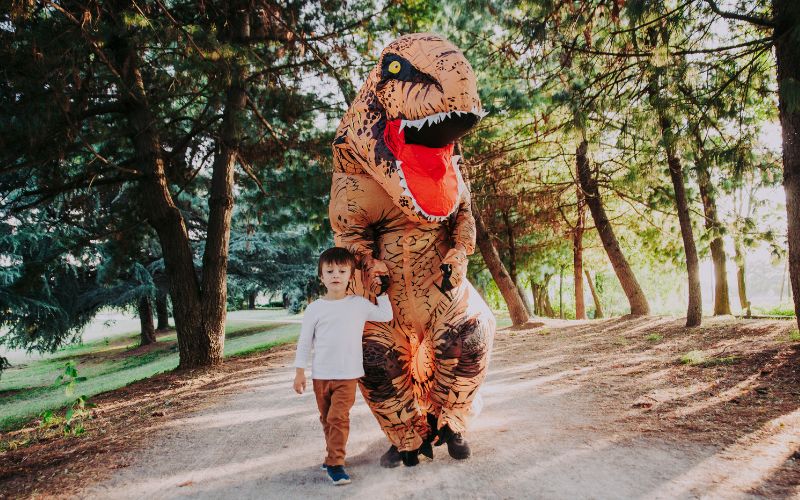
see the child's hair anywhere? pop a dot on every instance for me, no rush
(336, 255)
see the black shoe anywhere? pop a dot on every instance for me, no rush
(457, 446)
(426, 449)
(391, 458)
(410, 458)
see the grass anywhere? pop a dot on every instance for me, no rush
(692, 358)
(779, 310)
(654, 337)
(794, 335)
(27, 391)
(697, 358)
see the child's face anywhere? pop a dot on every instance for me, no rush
(336, 277)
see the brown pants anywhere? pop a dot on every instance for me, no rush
(334, 399)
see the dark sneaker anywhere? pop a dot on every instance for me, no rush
(338, 475)
(391, 458)
(426, 449)
(324, 466)
(410, 458)
(457, 446)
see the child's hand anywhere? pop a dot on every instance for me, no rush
(458, 260)
(375, 269)
(381, 283)
(300, 381)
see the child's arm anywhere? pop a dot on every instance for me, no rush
(304, 343)
(382, 312)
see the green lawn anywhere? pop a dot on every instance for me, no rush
(27, 390)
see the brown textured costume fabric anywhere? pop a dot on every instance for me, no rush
(432, 357)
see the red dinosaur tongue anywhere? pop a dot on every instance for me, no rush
(428, 172)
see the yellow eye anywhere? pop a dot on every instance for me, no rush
(394, 67)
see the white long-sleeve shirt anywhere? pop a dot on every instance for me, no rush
(334, 329)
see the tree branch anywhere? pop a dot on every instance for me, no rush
(758, 21)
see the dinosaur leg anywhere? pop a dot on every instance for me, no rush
(388, 385)
(462, 336)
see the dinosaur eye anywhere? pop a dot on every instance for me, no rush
(395, 67)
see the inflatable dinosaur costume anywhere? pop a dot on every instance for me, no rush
(398, 202)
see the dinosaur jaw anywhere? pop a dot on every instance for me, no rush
(439, 129)
(428, 170)
(428, 176)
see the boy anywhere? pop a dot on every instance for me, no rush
(334, 325)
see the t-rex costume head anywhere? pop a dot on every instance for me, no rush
(418, 100)
(399, 204)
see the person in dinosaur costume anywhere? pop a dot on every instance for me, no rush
(399, 203)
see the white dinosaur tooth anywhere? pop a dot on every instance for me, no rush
(397, 163)
(481, 113)
(454, 160)
(403, 123)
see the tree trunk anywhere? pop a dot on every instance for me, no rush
(787, 16)
(722, 303)
(561, 293)
(577, 256)
(162, 311)
(194, 344)
(198, 307)
(542, 297)
(516, 307)
(251, 300)
(524, 297)
(537, 304)
(598, 308)
(694, 312)
(548, 306)
(512, 261)
(744, 302)
(220, 204)
(148, 331)
(636, 299)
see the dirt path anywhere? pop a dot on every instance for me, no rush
(560, 420)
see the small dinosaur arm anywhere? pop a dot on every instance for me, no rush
(399, 203)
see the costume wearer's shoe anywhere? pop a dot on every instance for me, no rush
(324, 466)
(426, 449)
(391, 458)
(410, 458)
(457, 446)
(338, 475)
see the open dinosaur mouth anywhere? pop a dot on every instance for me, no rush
(424, 152)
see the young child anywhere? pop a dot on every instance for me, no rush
(333, 325)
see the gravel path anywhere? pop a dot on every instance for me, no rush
(541, 435)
